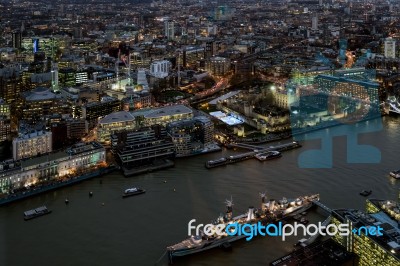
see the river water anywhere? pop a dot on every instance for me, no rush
(136, 230)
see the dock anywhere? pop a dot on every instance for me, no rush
(250, 155)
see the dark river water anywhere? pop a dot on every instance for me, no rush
(136, 230)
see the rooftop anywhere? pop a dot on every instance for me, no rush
(121, 116)
(103, 100)
(201, 119)
(169, 110)
(40, 94)
(33, 134)
(54, 156)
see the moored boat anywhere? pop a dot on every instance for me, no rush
(34, 213)
(214, 163)
(270, 155)
(133, 192)
(271, 212)
(395, 174)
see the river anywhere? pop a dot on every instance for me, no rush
(108, 230)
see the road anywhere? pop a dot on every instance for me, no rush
(221, 85)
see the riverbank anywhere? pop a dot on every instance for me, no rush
(297, 132)
(212, 149)
(329, 125)
(158, 165)
(55, 185)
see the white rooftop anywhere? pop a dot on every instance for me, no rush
(121, 116)
(169, 110)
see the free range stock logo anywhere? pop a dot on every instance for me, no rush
(279, 229)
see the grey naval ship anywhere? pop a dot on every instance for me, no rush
(271, 211)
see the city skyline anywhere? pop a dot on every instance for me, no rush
(190, 103)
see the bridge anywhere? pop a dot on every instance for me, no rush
(322, 206)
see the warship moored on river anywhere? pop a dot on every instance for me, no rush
(270, 212)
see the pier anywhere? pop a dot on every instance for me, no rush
(249, 155)
(322, 206)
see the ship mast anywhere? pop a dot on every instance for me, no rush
(229, 204)
(262, 195)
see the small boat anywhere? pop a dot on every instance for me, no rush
(365, 193)
(268, 155)
(40, 211)
(132, 192)
(215, 163)
(395, 174)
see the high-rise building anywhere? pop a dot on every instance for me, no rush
(81, 77)
(390, 48)
(192, 55)
(76, 128)
(314, 22)
(169, 29)
(47, 45)
(218, 66)
(10, 84)
(59, 134)
(54, 77)
(78, 32)
(42, 103)
(5, 128)
(142, 79)
(17, 39)
(159, 69)
(32, 144)
(4, 109)
(5, 122)
(67, 77)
